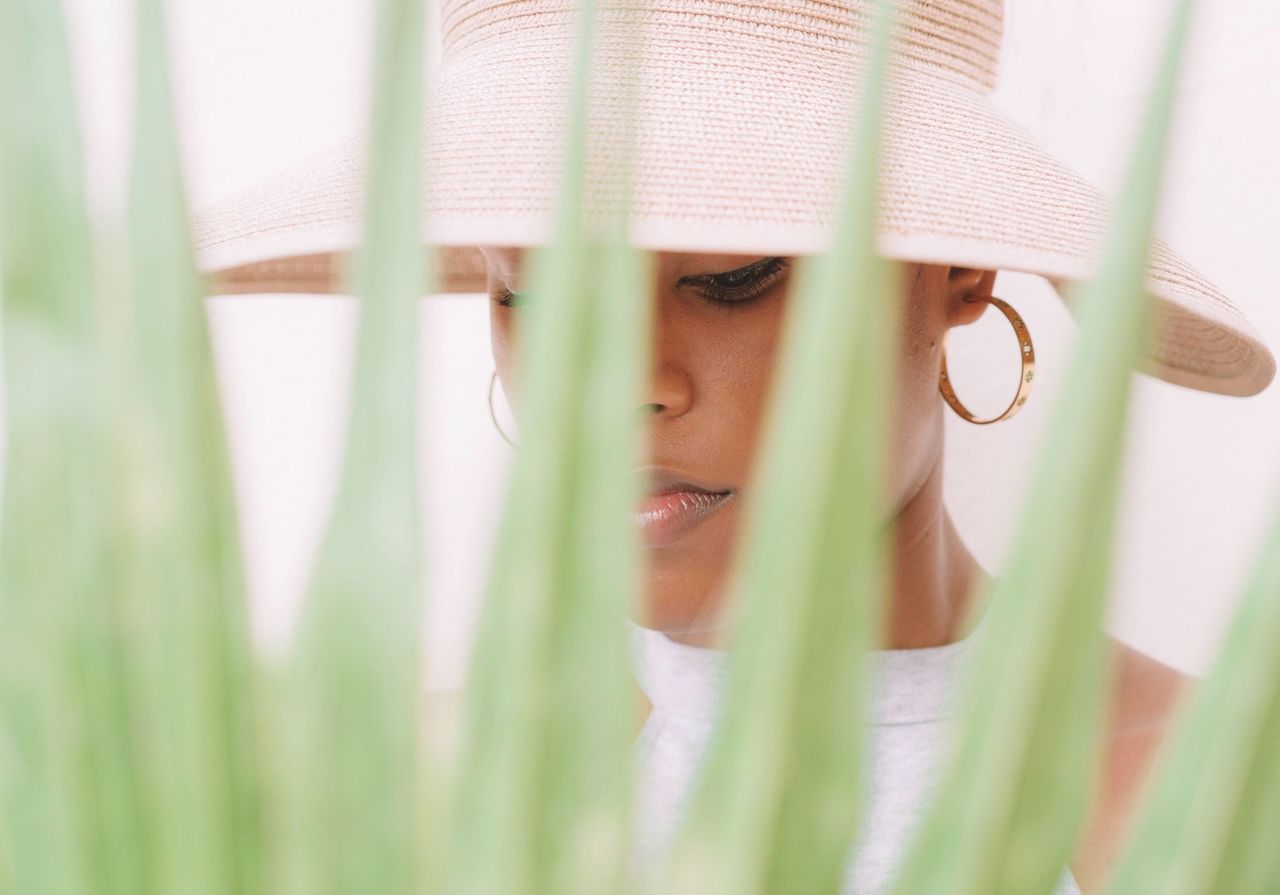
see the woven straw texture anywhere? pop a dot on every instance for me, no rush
(741, 137)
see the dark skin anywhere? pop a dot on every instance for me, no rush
(707, 388)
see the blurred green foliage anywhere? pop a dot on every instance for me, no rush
(146, 748)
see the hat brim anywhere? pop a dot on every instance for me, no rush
(743, 158)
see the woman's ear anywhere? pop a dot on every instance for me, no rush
(964, 285)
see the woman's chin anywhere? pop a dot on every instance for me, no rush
(684, 583)
(675, 619)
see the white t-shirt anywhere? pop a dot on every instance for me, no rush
(908, 710)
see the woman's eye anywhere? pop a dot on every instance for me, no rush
(742, 284)
(731, 287)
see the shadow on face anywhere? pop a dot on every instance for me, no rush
(717, 327)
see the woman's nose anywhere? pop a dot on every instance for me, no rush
(670, 390)
(670, 386)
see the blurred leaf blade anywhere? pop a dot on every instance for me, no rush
(1013, 793)
(178, 557)
(353, 689)
(542, 797)
(585, 822)
(1208, 819)
(778, 801)
(130, 708)
(55, 816)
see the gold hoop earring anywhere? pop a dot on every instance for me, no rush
(1025, 350)
(493, 416)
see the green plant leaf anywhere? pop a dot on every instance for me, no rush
(777, 800)
(543, 791)
(53, 629)
(1013, 793)
(1208, 820)
(353, 692)
(176, 569)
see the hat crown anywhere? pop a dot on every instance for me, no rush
(957, 38)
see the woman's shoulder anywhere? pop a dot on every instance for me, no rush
(1144, 700)
(1145, 692)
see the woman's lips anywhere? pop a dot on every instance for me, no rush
(664, 517)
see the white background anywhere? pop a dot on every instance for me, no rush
(262, 84)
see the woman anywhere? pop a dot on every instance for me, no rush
(707, 393)
(742, 133)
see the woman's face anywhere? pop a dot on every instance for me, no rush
(717, 326)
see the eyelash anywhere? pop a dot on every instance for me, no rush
(764, 274)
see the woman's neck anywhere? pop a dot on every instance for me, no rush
(933, 575)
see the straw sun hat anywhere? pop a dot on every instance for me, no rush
(741, 141)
